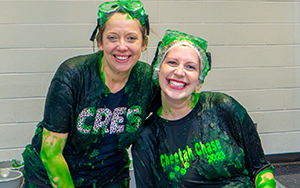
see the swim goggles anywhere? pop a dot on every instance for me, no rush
(134, 8)
(174, 38)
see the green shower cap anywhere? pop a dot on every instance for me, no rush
(174, 38)
(134, 8)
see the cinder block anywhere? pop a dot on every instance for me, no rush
(260, 100)
(12, 153)
(43, 60)
(282, 121)
(269, 56)
(245, 34)
(46, 80)
(282, 34)
(227, 56)
(8, 61)
(251, 78)
(273, 143)
(258, 118)
(20, 36)
(292, 99)
(152, 9)
(7, 111)
(16, 135)
(20, 85)
(182, 11)
(148, 55)
(37, 12)
(254, 56)
(66, 36)
(270, 12)
(224, 12)
(291, 142)
(30, 110)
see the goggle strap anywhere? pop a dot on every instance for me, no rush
(156, 54)
(208, 55)
(95, 31)
(147, 24)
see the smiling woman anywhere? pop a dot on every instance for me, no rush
(196, 139)
(122, 44)
(95, 106)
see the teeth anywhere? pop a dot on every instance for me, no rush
(177, 84)
(122, 57)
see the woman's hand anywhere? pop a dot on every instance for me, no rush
(51, 155)
(265, 179)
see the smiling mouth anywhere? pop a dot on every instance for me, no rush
(176, 84)
(121, 57)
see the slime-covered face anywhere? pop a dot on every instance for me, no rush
(179, 73)
(122, 43)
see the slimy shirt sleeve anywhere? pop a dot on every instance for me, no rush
(245, 134)
(59, 101)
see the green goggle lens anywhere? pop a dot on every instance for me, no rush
(134, 8)
(113, 6)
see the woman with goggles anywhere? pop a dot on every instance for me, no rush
(196, 139)
(94, 107)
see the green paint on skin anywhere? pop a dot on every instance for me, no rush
(52, 143)
(52, 147)
(193, 100)
(102, 76)
(263, 180)
(129, 17)
(167, 111)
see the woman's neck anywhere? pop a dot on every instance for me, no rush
(115, 81)
(176, 109)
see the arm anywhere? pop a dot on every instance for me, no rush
(51, 155)
(143, 174)
(265, 179)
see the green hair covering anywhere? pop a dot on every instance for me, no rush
(174, 38)
(134, 8)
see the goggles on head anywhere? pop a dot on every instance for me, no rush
(134, 8)
(174, 38)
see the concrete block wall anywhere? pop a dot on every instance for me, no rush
(255, 46)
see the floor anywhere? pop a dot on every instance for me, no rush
(287, 175)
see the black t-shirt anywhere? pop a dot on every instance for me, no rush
(100, 125)
(215, 145)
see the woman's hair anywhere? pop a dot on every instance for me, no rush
(101, 30)
(173, 38)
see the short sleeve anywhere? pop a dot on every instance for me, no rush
(243, 130)
(59, 101)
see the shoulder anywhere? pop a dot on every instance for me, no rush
(142, 65)
(77, 66)
(142, 70)
(221, 102)
(150, 130)
(217, 99)
(80, 61)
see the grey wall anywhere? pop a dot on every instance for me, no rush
(255, 46)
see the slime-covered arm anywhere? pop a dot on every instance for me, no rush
(53, 160)
(265, 179)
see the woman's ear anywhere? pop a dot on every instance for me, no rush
(197, 89)
(144, 47)
(99, 45)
